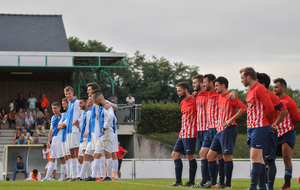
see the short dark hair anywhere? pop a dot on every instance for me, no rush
(44, 146)
(211, 77)
(222, 80)
(249, 71)
(83, 98)
(281, 81)
(56, 104)
(263, 78)
(34, 171)
(97, 91)
(20, 157)
(199, 77)
(94, 86)
(183, 85)
(64, 100)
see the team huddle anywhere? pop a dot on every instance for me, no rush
(84, 134)
(208, 125)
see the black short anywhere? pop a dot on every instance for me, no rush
(120, 163)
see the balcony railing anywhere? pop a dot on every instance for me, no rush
(128, 114)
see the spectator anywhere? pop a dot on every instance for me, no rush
(19, 111)
(3, 118)
(36, 141)
(31, 102)
(120, 155)
(11, 105)
(40, 124)
(12, 116)
(22, 140)
(130, 102)
(20, 121)
(18, 134)
(34, 176)
(27, 136)
(36, 113)
(20, 167)
(113, 99)
(29, 124)
(43, 102)
(21, 102)
(28, 111)
(47, 118)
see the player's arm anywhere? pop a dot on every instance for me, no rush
(283, 112)
(232, 95)
(124, 154)
(242, 110)
(115, 106)
(110, 117)
(264, 97)
(63, 124)
(292, 108)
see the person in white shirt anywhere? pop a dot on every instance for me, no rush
(130, 102)
(27, 136)
(34, 176)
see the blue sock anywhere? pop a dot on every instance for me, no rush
(204, 171)
(228, 172)
(221, 171)
(272, 170)
(262, 178)
(193, 170)
(178, 170)
(212, 168)
(288, 176)
(255, 174)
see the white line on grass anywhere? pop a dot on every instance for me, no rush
(146, 184)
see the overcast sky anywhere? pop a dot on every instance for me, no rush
(220, 37)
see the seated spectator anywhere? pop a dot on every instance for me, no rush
(43, 102)
(22, 141)
(36, 141)
(11, 105)
(20, 167)
(47, 118)
(18, 134)
(3, 118)
(36, 113)
(12, 116)
(31, 102)
(113, 99)
(29, 123)
(27, 136)
(28, 111)
(20, 121)
(40, 124)
(34, 176)
(19, 111)
(21, 102)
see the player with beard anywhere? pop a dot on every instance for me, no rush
(286, 132)
(186, 143)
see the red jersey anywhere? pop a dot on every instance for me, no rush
(277, 104)
(227, 109)
(120, 152)
(291, 118)
(188, 119)
(259, 106)
(201, 103)
(212, 109)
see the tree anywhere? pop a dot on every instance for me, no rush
(91, 46)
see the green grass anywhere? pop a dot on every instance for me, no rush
(144, 184)
(241, 149)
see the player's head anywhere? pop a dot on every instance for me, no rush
(264, 79)
(279, 86)
(82, 103)
(209, 82)
(65, 104)
(91, 87)
(69, 93)
(35, 172)
(90, 102)
(55, 107)
(183, 89)
(197, 82)
(24, 132)
(221, 84)
(98, 98)
(247, 74)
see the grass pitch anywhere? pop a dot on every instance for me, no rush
(144, 184)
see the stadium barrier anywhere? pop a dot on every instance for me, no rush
(128, 114)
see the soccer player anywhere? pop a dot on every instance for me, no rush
(186, 143)
(224, 140)
(286, 132)
(258, 125)
(34, 176)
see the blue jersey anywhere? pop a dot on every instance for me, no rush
(101, 120)
(64, 130)
(70, 116)
(84, 120)
(54, 124)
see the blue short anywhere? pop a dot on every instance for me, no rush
(209, 137)
(185, 145)
(257, 137)
(271, 146)
(289, 138)
(224, 140)
(200, 138)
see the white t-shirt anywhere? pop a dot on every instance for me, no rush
(30, 176)
(130, 100)
(32, 102)
(11, 106)
(27, 136)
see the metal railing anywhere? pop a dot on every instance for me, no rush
(128, 114)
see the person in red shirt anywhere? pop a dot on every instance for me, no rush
(43, 102)
(120, 155)
(286, 132)
(186, 143)
(258, 125)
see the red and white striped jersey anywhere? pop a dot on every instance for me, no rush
(291, 118)
(188, 119)
(201, 103)
(277, 104)
(212, 109)
(259, 106)
(227, 109)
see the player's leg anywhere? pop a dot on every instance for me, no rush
(287, 152)
(50, 169)
(177, 151)
(119, 167)
(115, 165)
(212, 166)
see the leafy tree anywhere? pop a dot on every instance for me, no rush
(90, 46)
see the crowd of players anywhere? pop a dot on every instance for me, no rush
(208, 125)
(85, 133)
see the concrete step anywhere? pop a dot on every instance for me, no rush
(11, 132)
(9, 140)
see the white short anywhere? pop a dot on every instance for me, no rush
(73, 140)
(89, 149)
(56, 150)
(94, 140)
(82, 147)
(116, 143)
(55, 166)
(105, 142)
(65, 148)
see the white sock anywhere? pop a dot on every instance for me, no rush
(109, 167)
(50, 170)
(95, 167)
(68, 162)
(85, 167)
(89, 172)
(115, 168)
(74, 167)
(63, 169)
(102, 167)
(79, 166)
